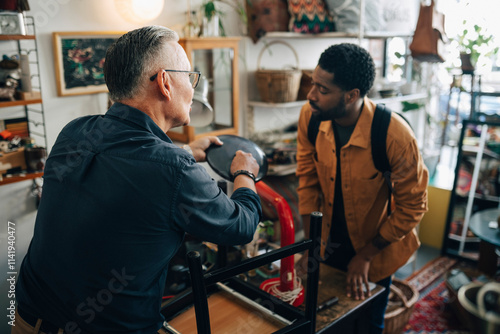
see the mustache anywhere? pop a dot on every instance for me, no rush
(313, 105)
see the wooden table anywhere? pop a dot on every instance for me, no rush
(228, 314)
(348, 315)
(490, 239)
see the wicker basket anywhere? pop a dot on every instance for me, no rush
(278, 86)
(402, 300)
(305, 84)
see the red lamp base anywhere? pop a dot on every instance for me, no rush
(272, 286)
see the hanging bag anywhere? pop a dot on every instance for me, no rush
(429, 38)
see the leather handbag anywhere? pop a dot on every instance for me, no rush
(429, 38)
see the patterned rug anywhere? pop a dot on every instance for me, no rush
(432, 313)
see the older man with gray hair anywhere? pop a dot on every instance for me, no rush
(119, 196)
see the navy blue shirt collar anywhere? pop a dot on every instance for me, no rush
(133, 115)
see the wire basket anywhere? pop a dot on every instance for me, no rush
(278, 86)
(402, 300)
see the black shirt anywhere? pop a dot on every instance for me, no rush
(118, 197)
(340, 243)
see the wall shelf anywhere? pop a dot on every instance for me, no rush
(260, 104)
(16, 37)
(337, 34)
(33, 117)
(13, 178)
(5, 104)
(399, 98)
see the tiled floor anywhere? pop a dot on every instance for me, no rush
(424, 255)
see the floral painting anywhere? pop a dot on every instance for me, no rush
(79, 60)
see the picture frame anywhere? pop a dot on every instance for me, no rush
(79, 59)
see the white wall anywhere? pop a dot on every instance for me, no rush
(80, 15)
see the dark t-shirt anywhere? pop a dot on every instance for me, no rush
(339, 243)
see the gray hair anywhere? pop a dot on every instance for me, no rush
(131, 60)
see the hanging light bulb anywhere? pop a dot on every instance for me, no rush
(139, 11)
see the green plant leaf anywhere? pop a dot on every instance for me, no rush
(209, 9)
(407, 106)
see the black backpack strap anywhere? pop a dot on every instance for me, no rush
(313, 128)
(380, 125)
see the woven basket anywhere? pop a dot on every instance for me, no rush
(305, 84)
(402, 300)
(278, 86)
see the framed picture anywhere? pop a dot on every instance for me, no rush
(79, 59)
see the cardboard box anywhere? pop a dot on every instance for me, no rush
(26, 96)
(12, 160)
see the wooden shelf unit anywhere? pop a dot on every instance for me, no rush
(35, 117)
(19, 177)
(16, 37)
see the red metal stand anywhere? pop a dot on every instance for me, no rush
(287, 275)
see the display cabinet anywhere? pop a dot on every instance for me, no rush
(23, 115)
(476, 186)
(217, 60)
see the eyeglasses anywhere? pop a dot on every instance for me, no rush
(194, 77)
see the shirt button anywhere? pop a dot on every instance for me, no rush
(331, 179)
(330, 204)
(327, 225)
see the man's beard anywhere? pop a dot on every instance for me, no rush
(336, 112)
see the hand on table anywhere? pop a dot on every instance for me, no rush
(357, 278)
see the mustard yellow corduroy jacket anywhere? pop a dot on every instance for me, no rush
(364, 188)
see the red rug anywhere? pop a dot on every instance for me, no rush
(432, 312)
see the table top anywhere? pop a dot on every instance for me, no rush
(332, 282)
(479, 226)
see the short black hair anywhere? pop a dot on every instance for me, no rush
(352, 66)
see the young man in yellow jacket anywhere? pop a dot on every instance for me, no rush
(337, 176)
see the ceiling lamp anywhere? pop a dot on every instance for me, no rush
(139, 11)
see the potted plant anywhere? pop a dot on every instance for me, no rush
(211, 16)
(474, 44)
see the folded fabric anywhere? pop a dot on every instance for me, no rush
(309, 17)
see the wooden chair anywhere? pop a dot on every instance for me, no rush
(298, 321)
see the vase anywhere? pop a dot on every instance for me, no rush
(467, 66)
(211, 27)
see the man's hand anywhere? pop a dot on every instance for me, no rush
(199, 146)
(357, 270)
(357, 277)
(244, 161)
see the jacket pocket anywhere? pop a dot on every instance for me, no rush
(368, 194)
